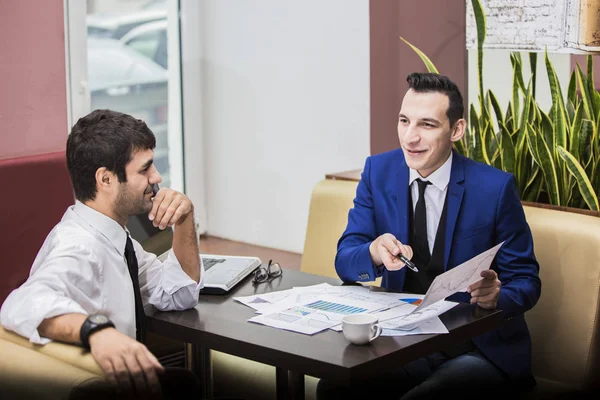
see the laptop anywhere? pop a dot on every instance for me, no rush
(221, 272)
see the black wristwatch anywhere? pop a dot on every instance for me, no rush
(93, 323)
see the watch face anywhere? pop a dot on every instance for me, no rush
(98, 319)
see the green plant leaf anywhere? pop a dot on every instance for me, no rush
(534, 185)
(572, 90)
(549, 170)
(585, 187)
(585, 95)
(574, 132)
(481, 33)
(585, 136)
(533, 68)
(496, 106)
(507, 153)
(428, 64)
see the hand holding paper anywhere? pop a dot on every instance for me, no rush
(459, 278)
(485, 292)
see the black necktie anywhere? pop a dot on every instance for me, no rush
(420, 224)
(132, 264)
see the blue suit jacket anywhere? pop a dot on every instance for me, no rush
(484, 209)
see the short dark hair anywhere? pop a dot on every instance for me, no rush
(422, 82)
(103, 138)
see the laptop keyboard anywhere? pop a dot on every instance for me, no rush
(211, 262)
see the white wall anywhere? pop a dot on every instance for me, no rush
(497, 76)
(285, 101)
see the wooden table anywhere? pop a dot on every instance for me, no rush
(220, 323)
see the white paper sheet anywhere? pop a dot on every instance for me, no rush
(459, 278)
(431, 326)
(263, 301)
(314, 315)
(418, 316)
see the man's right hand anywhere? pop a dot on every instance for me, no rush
(384, 250)
(126, 363)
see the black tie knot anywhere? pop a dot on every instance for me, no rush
(422, 186)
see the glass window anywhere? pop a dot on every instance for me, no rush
(124, 42)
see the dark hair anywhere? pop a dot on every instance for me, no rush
(422, 82)
(103, 138)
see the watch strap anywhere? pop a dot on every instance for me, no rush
(89, 326)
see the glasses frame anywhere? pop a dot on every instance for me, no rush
(262, 274)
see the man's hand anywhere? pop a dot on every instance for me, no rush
(486, 291)
(126, 363)
(169, 208)
(384, 250)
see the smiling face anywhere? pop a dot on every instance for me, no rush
(135, 195)
(424, 130)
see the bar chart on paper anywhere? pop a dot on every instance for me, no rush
(337, 308)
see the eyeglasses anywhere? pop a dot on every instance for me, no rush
(262, 274)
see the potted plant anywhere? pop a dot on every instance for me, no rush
(554, 155)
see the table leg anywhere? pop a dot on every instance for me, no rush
(289, 384)
(281, 383)
(202, 367)
(296, 385)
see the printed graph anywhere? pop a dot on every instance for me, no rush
(337, 308)
(415, 302)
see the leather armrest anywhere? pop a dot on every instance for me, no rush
(73, 355)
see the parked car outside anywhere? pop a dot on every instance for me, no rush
(150, 39)
(115, 25)
(124, 80)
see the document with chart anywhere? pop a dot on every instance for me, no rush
(314, 315)
(459, 278)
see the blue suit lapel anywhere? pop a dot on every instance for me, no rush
(455, 196)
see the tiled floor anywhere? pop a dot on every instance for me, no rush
(214, 245)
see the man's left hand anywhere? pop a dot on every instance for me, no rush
(486, 291)
(169, 207)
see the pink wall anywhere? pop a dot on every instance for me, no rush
(33, 97)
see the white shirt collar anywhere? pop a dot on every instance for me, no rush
(107, 226)
(439, 178)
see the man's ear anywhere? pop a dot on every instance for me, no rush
(459, 130)
(104, 179)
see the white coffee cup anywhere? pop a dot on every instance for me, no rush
(360, 328)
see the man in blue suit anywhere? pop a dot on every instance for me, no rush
(440, 209)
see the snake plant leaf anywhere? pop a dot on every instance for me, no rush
(459, 145)
(481, 33)
(533, 69)
(508, 119)
(572, 90)
(585, 136)
(585, 95)
(574, 132)
(534, 185)
(496, 106)
(428, 64)
(585, 187)
(507, 153)
(591, 86)
(548, 167)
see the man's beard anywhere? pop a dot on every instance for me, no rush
(129, 203)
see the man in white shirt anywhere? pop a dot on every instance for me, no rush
(90, 280)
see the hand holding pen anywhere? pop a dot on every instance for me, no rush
(390, 252)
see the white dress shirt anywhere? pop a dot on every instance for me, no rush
(435, 195)
(81, 268)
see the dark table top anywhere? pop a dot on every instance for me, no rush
(220, 323)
